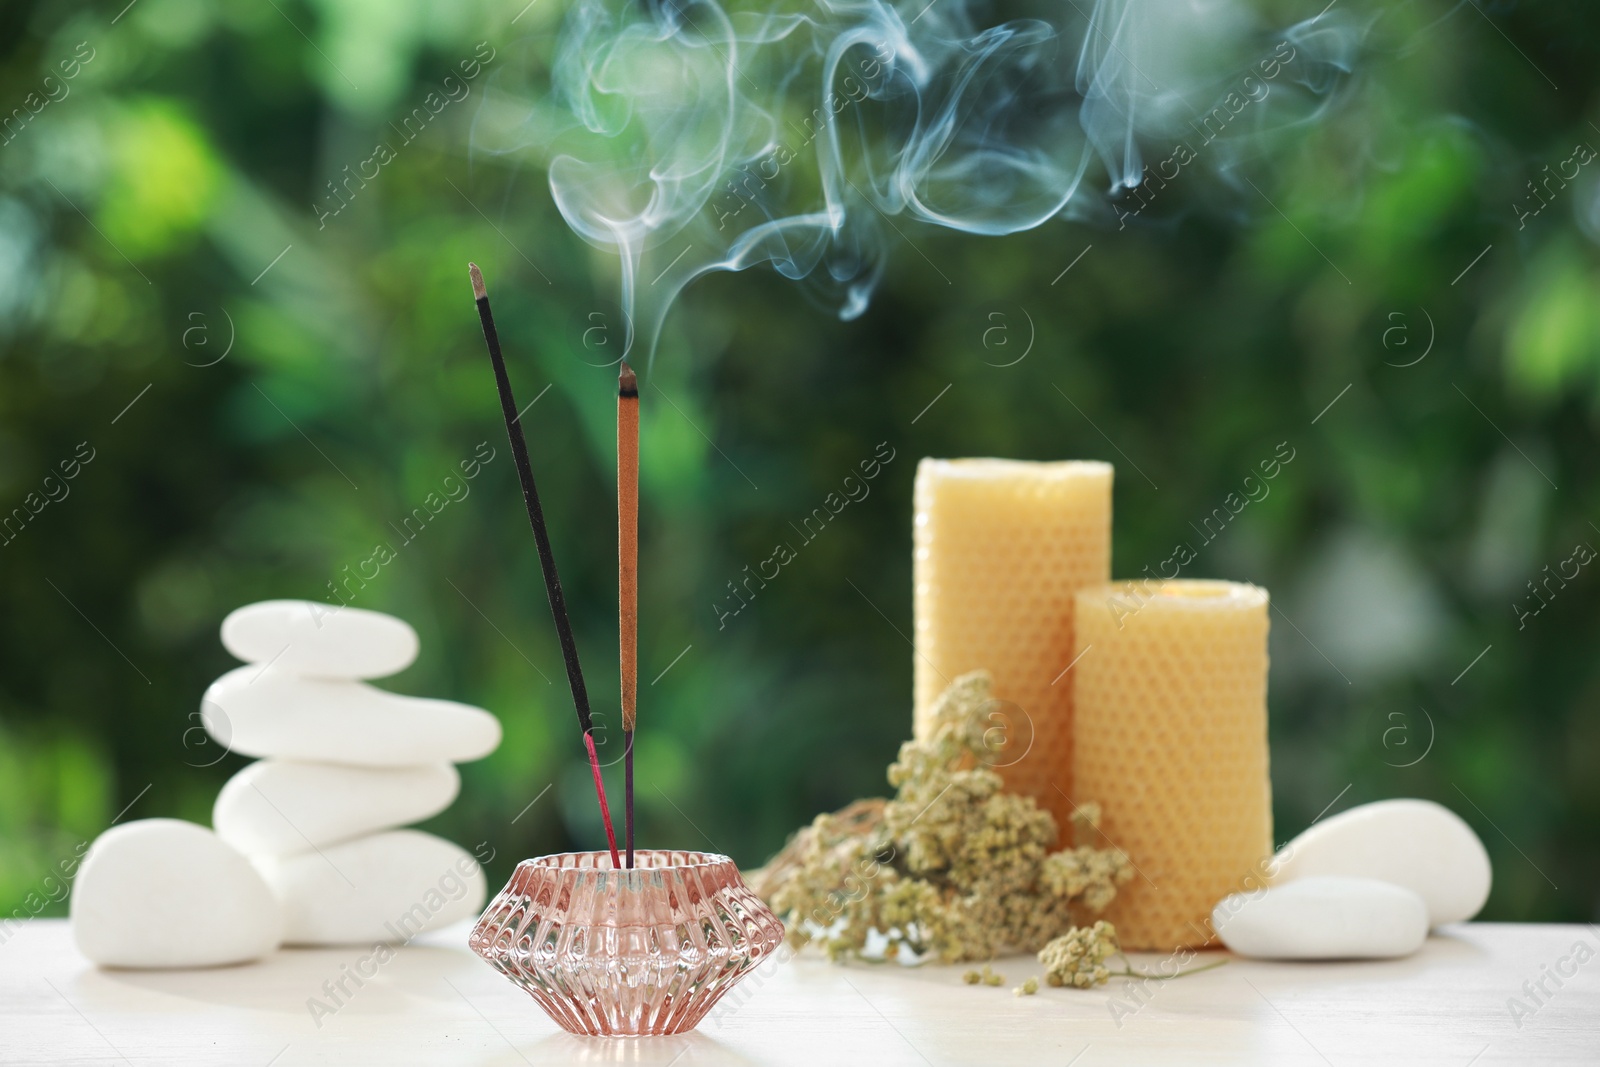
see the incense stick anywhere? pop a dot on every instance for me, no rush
(628, 575)
(541, 538)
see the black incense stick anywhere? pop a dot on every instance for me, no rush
(541, 538)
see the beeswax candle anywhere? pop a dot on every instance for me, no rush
(1000, 549)
(1170, 714)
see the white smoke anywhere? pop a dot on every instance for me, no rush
(689, 136)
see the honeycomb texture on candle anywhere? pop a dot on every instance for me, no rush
(1170, 714)
(1000, 549)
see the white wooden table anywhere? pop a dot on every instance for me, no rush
(437, 1004)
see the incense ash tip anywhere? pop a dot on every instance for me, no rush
(627, 382)
(478, 289)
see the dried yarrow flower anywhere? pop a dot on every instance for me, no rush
(1089, 874)
(953, 866)
(1077, 958)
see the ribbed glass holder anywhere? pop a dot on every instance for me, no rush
(626, 952)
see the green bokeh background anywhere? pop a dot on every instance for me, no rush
(139, 212)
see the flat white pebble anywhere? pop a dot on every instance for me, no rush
(162, 893)
(1413, 843)
(387, 887)
(276, 807)
(265, 712)
(1323, 918)
(320, 640)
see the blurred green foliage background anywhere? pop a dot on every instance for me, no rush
(163, 211)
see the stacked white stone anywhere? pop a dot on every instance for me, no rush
(345, 765)
(307, 848)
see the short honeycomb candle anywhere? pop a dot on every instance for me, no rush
(1000, 549)
(1170, 719)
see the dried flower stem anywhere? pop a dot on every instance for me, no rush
(1129, 972)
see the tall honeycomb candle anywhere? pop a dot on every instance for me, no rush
(1170, 718)
(1000, 549)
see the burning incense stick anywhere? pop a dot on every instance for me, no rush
(628, 574)
(541, 538)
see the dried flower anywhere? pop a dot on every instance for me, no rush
(1026, 989)
(1090, 873)
(1077, 958)
(953, 866)
(971, 977)
(991, 978)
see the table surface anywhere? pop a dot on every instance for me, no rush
(436, 1003)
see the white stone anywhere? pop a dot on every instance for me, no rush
(266, 712)
(387, 887)
(1413, 843)
(320, 640)
(1323, 919)
(167, 893)
(277, 806)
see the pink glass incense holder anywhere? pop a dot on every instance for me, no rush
(626, 952)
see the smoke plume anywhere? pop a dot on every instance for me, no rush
(688, 136)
